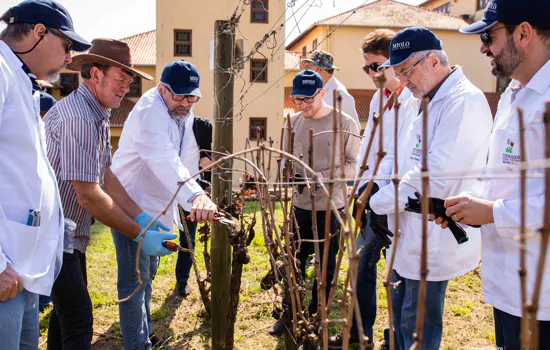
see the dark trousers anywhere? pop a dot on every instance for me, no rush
(508, 330)
(304, 220)
(366, 280)
(185, 262)
(71, 320)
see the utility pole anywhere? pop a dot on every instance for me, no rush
(220, 252)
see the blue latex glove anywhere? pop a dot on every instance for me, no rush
(152, 243)
(143, 219)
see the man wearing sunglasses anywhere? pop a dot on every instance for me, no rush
(315, 114)
(31, 217)
(323, 63)
(516, 35)
(459, 125)
(151, 160)
(376, 51)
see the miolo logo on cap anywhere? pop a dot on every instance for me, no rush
(402, 45)
(308, 82)
(194, 79)
(492, 7)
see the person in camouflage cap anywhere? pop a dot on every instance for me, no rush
(322, 62)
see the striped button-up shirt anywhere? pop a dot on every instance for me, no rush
(79, 148)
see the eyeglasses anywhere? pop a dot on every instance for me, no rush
(181, 98)
(373, 66)
(64, 37)
(486, 38)
(298, 101)
(407, 73)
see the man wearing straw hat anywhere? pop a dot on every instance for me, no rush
(36, 43)
(458, 127)
(155, 146)
(516, 35)
(79, 149)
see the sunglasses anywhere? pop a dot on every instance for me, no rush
(181, 98)
(298, 101)
(373, 66)
(57, 33)
(486, 38)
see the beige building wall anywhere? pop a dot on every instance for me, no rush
(458, 7)
(462, 49)
(174, 14)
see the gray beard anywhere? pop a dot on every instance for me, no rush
(178, 116)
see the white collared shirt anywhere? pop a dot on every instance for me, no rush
(499, 275)
(348, 102)
(27, 181)
(148, 160)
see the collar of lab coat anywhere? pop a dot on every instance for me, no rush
(13, 61)
(99, 114)
(539, 82)
(449, 83)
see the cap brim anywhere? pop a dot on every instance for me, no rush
(477, 27)
(79, 43)
(305, 93)
(86, 58)
(397, 62)
(187, 91)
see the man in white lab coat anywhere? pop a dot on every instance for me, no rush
(323, 63)
(459, 125)
(35, 45)
(516, 35)
(149, 165)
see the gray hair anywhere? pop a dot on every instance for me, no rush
(441, 55)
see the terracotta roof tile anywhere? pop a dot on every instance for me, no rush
(120, 114)
(388, 14)
(143, 48)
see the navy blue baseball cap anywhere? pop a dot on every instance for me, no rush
(46, 101)
(50, 14)
(408, 41)
(182, 77)
(306, 83)
(535, 12)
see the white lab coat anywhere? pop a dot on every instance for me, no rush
(148, 162)
(499, 275)
(27, 181)
(348, 102)
(459, 126)
(388, 122)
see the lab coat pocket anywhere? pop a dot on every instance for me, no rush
(508, 149)
(413, 237)
(19, 244)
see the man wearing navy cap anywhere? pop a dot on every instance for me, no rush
(150, 162)
(459, 125)
(36, 44)
(516, 35)
(308, 94)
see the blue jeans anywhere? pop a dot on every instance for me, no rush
(508, 331)
(135, 314)
(185, 262)
(366, 280)
(19, 327)
(404, 304)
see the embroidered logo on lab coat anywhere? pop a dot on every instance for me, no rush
(417, 151)
(508, 156)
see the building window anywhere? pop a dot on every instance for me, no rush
(304, 51)
(482, 4)
(182, 42)
(259, 11)
(502, 83)
(258, 70)
(69, 83)
(135, 88)
(444, 8)
(255, 124)
(314, 45)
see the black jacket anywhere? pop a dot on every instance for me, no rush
(202, 129)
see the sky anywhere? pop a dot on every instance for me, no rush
(121, 18)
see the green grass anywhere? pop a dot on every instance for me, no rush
(183, 322)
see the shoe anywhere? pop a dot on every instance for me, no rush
(278, 329)
(335, 342)
(183, 291)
